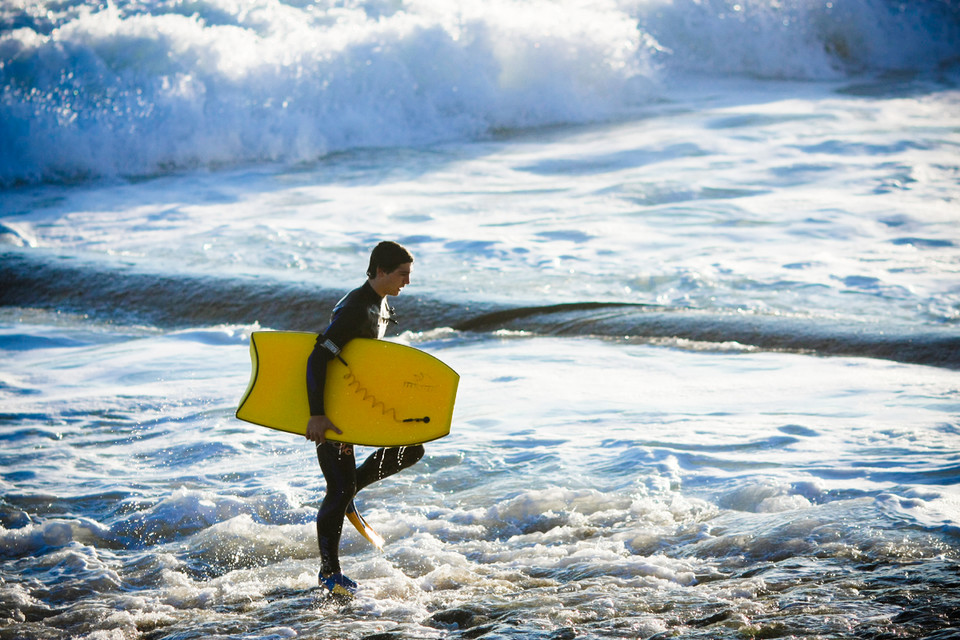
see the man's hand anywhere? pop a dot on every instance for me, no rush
(317, 428)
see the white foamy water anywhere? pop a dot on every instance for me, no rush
(695, 262)
(609, 489)
(777, 198)
(133, 88)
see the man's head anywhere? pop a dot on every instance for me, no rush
(390, 267)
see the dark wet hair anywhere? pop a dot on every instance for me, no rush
(387, 256)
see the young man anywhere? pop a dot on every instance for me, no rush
(362, 313)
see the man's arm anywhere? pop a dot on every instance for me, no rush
(328, 345)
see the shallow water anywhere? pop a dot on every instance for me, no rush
(695, 262)
(669, 491)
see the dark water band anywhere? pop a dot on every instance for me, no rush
(127, 294)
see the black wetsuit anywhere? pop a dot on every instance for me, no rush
(362, 313)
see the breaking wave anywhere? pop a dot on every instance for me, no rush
(129, 89)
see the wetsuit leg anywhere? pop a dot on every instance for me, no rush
(339, 470)
(344, 479)
(386, 462)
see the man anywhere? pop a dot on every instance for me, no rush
(362, 313)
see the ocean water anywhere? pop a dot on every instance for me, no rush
(696, 263)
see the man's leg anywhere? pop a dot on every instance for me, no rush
(386, 462)
(339, 470)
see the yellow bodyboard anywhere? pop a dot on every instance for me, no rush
(387, 395)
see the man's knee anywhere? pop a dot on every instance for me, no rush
(412, 455)
(338, 498)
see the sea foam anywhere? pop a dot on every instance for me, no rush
(128, 89)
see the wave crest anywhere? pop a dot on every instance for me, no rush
(132, 89)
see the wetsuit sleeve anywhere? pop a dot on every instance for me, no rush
(344, 328)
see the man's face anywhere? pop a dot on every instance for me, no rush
(397, 279)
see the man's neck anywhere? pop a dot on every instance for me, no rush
(373, 285)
